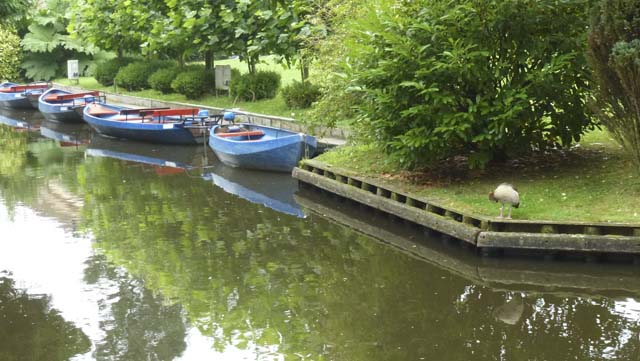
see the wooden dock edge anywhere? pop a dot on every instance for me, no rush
(500, 274)
(479, 231)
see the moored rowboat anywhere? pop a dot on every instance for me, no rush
(259, 147)
(156, 125)
(18, 96)
(63, 106)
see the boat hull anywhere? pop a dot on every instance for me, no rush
(33, 98)
(19, 99)
(21, 102)
(164, 133)
(166, 136)
(69, 111)
(278, 154)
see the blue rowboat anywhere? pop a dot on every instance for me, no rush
(17, 96)
(155, 125)
(63, 106)
(259, 147)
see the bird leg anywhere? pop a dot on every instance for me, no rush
(509, 216)
(501, 208)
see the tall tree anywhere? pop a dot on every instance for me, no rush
(116, 25)
(48, 46)
(486, 79)
(614, 54)
(263, 28)
(12, 9)
(192, 26)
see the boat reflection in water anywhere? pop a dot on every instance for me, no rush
(273, 190)
(69, 135)
(21, 119)
(165, 159)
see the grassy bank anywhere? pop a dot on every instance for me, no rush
(592, 181)
(275, 106)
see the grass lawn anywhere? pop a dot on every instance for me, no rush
(274, 106)
(592, 181)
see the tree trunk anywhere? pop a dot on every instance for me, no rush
(208, 59)
(251, 65)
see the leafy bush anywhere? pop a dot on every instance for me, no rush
(190, 83)
(614, 56)
(300, 95)
(11, 53)
(161, 79)
(254, 86)
(135, 76)
(105, 71)
(487, 79)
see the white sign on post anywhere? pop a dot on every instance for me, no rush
(72, 70)
(223, 76)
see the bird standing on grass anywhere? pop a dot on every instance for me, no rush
(505, 193)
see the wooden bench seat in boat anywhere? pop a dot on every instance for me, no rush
(98, 110)
(62, 97)
(170, 112)
(248, 133)
(140, 110)
(22, 88)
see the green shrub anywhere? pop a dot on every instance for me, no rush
(190, 83)
(614, 56)
(256, 86)
(135, 76)
(11, 53)
(300, 95)
(105, 71)
(441, 78)
(161, 79)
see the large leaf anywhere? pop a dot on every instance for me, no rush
(76, 44)
(41, 39)
(40, 67)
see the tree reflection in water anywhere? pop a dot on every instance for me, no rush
(30, 330)
(136, 322)
(179, 251)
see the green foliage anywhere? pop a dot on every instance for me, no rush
(48, 46)
(614, 55)
(10, 53)
(191, 84)
(135, 76)
(299, 95)
(34, 323)
(161, 79)
(333, 25)
(254, 86)
(444, 78)
(105, 71)
(247, 28)
(37, 67)
(116, 25)
(263, 27)
(12, 9)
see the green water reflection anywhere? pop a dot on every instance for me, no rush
(181, 255)
(31, 330)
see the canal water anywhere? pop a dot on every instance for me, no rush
(114, 250)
